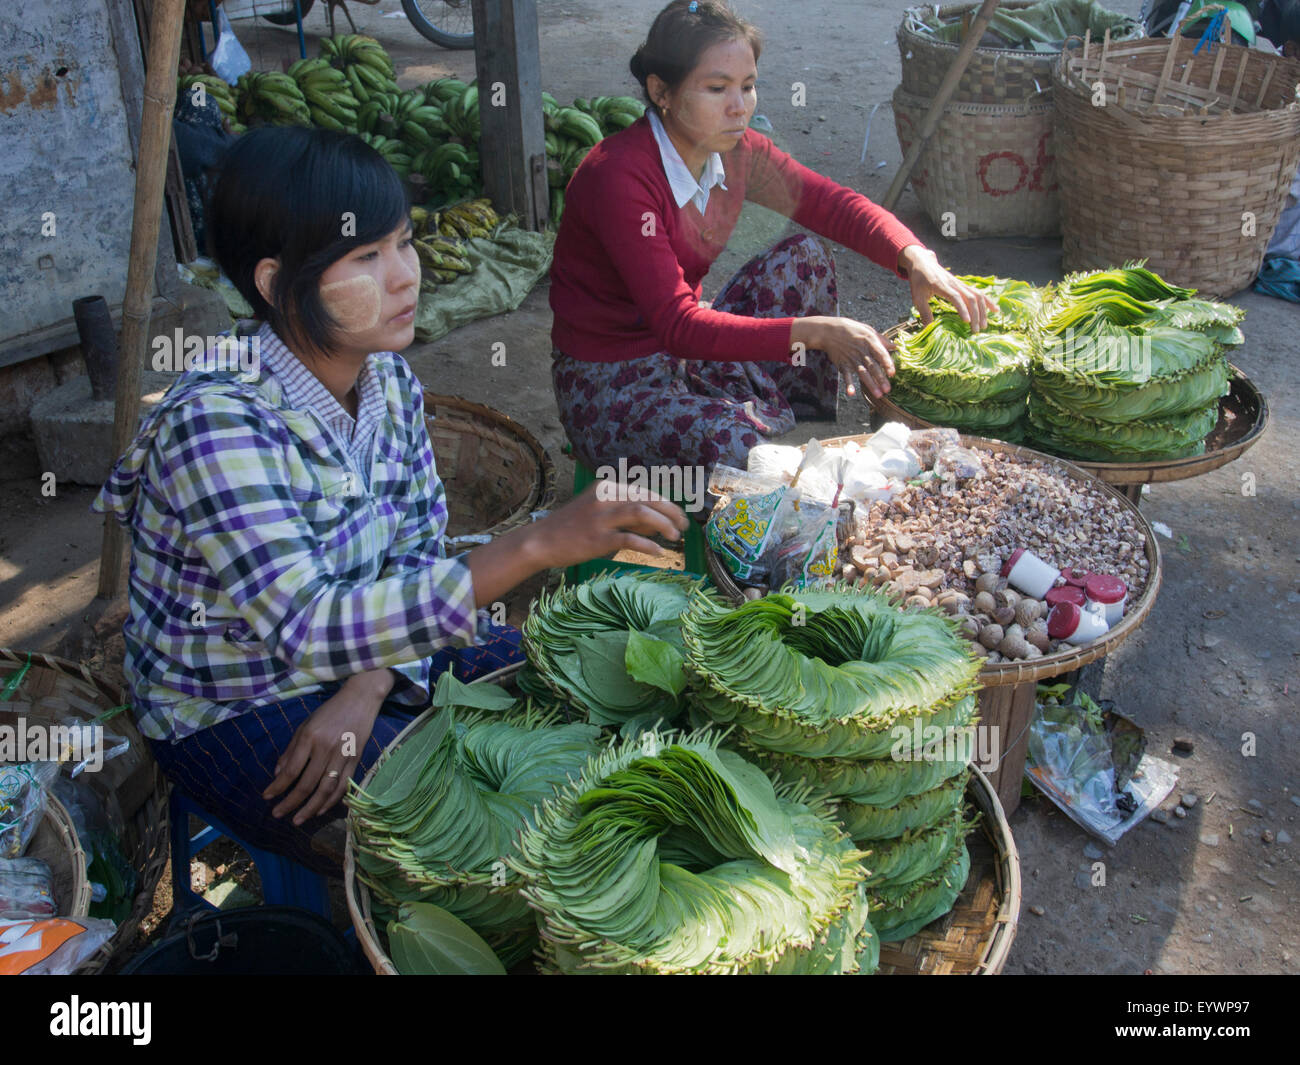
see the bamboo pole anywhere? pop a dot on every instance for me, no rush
(946, 88)
(150, 182)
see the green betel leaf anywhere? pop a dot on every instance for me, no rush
(451, 692)
(655, 662)
(426, 940)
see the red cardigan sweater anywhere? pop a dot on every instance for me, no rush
(625, 281)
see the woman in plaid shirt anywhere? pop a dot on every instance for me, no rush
(290, 596)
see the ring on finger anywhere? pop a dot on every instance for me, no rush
(333, 774)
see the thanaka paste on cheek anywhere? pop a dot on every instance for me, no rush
(354, 303)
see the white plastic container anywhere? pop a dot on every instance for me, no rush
(1107, 593)
(1074, 625)
(1029, 573)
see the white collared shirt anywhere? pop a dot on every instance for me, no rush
(680, 179)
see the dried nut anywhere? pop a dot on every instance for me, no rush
(1007, 597)
(1028, 611)
(1034, 652)
(1014, 647)
(991, 635)
(986, 582)
(955, 604)
(860, 557)
(994, 657)
(1016, 632)
(907, 582)
(888, 559)
(970, 568)
(984, 603)
(919, 601)
(1036, 634)
(849, 573)
(1004, 615)
(931, 578)
(970, 628)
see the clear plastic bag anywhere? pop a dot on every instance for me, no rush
(52, 946)
(927, 443)
(26, 889)
(808, 556)
(743, 524)
(959, 463)
(24, 789)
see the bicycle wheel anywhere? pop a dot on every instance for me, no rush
(449, 23)
(286, 17)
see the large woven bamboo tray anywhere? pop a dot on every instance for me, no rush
(1243, 417)
(974, 938)
(131, 786)
(1007, 698)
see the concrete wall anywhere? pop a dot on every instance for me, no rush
(68, 70)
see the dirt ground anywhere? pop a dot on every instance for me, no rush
(1215, 660)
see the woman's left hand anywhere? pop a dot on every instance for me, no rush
(316, 757)
(928, 280)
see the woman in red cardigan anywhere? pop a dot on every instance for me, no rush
(643, 369)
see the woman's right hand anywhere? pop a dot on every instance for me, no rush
(855, 349)
(603, 519)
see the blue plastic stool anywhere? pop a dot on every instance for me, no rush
(693, 545)
(284, 881)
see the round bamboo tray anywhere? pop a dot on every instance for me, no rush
(55, 843)
(131, 786)
(495, 471)
(975, 936)
(1243, 417)
(1007, 673)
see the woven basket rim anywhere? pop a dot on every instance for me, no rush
(1071, 87)
(998, 674)
(154, 810)
(913, 36)
(543, 493)
(59, 822)
(973, 109)
(1130, 473)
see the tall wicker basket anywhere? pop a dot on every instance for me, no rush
(1178, 158)
(988, 170)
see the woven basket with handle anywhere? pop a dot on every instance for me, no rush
(55, 843)
(1179, 158)
(131, 786)
(495, 472)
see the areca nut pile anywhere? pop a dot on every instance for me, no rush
(435, 822)
(671, 855)
(842, 692)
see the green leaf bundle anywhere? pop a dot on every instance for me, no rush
(670, 855)
(865, 822)
(988, 418)
(946, 360)
(1058, 430)
(901, 910)
(825, 672)
(438, 818)
(426, 940)
(915, 854)
(611, 647)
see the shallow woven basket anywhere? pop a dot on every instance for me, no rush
(1243, 417)
(495, 471)
(975, 936)
(988, 170)
(1187, 164)
(131, 786)
(994, 75)
(55, 843)
(1010, 673)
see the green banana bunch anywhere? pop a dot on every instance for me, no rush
(576, 124)
(438, 253)
(357, 49)
(328, 94)
(557, 207)
(471, 218)
(614, 113)
(460, 114)
(444, 90)
(272, 98)
(222, 94)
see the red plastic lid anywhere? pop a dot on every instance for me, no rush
(1076, 579)
(1063, 620)
(1067, 593)
(1010, 563)
(1103, 588)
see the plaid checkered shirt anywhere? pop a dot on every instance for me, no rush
(277, 544)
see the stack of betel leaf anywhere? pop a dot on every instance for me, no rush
(437, 820)
(612, 648)
(670, 855)
(842, 692)
(1111, 366)
(1128, 368)
(972, 382)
